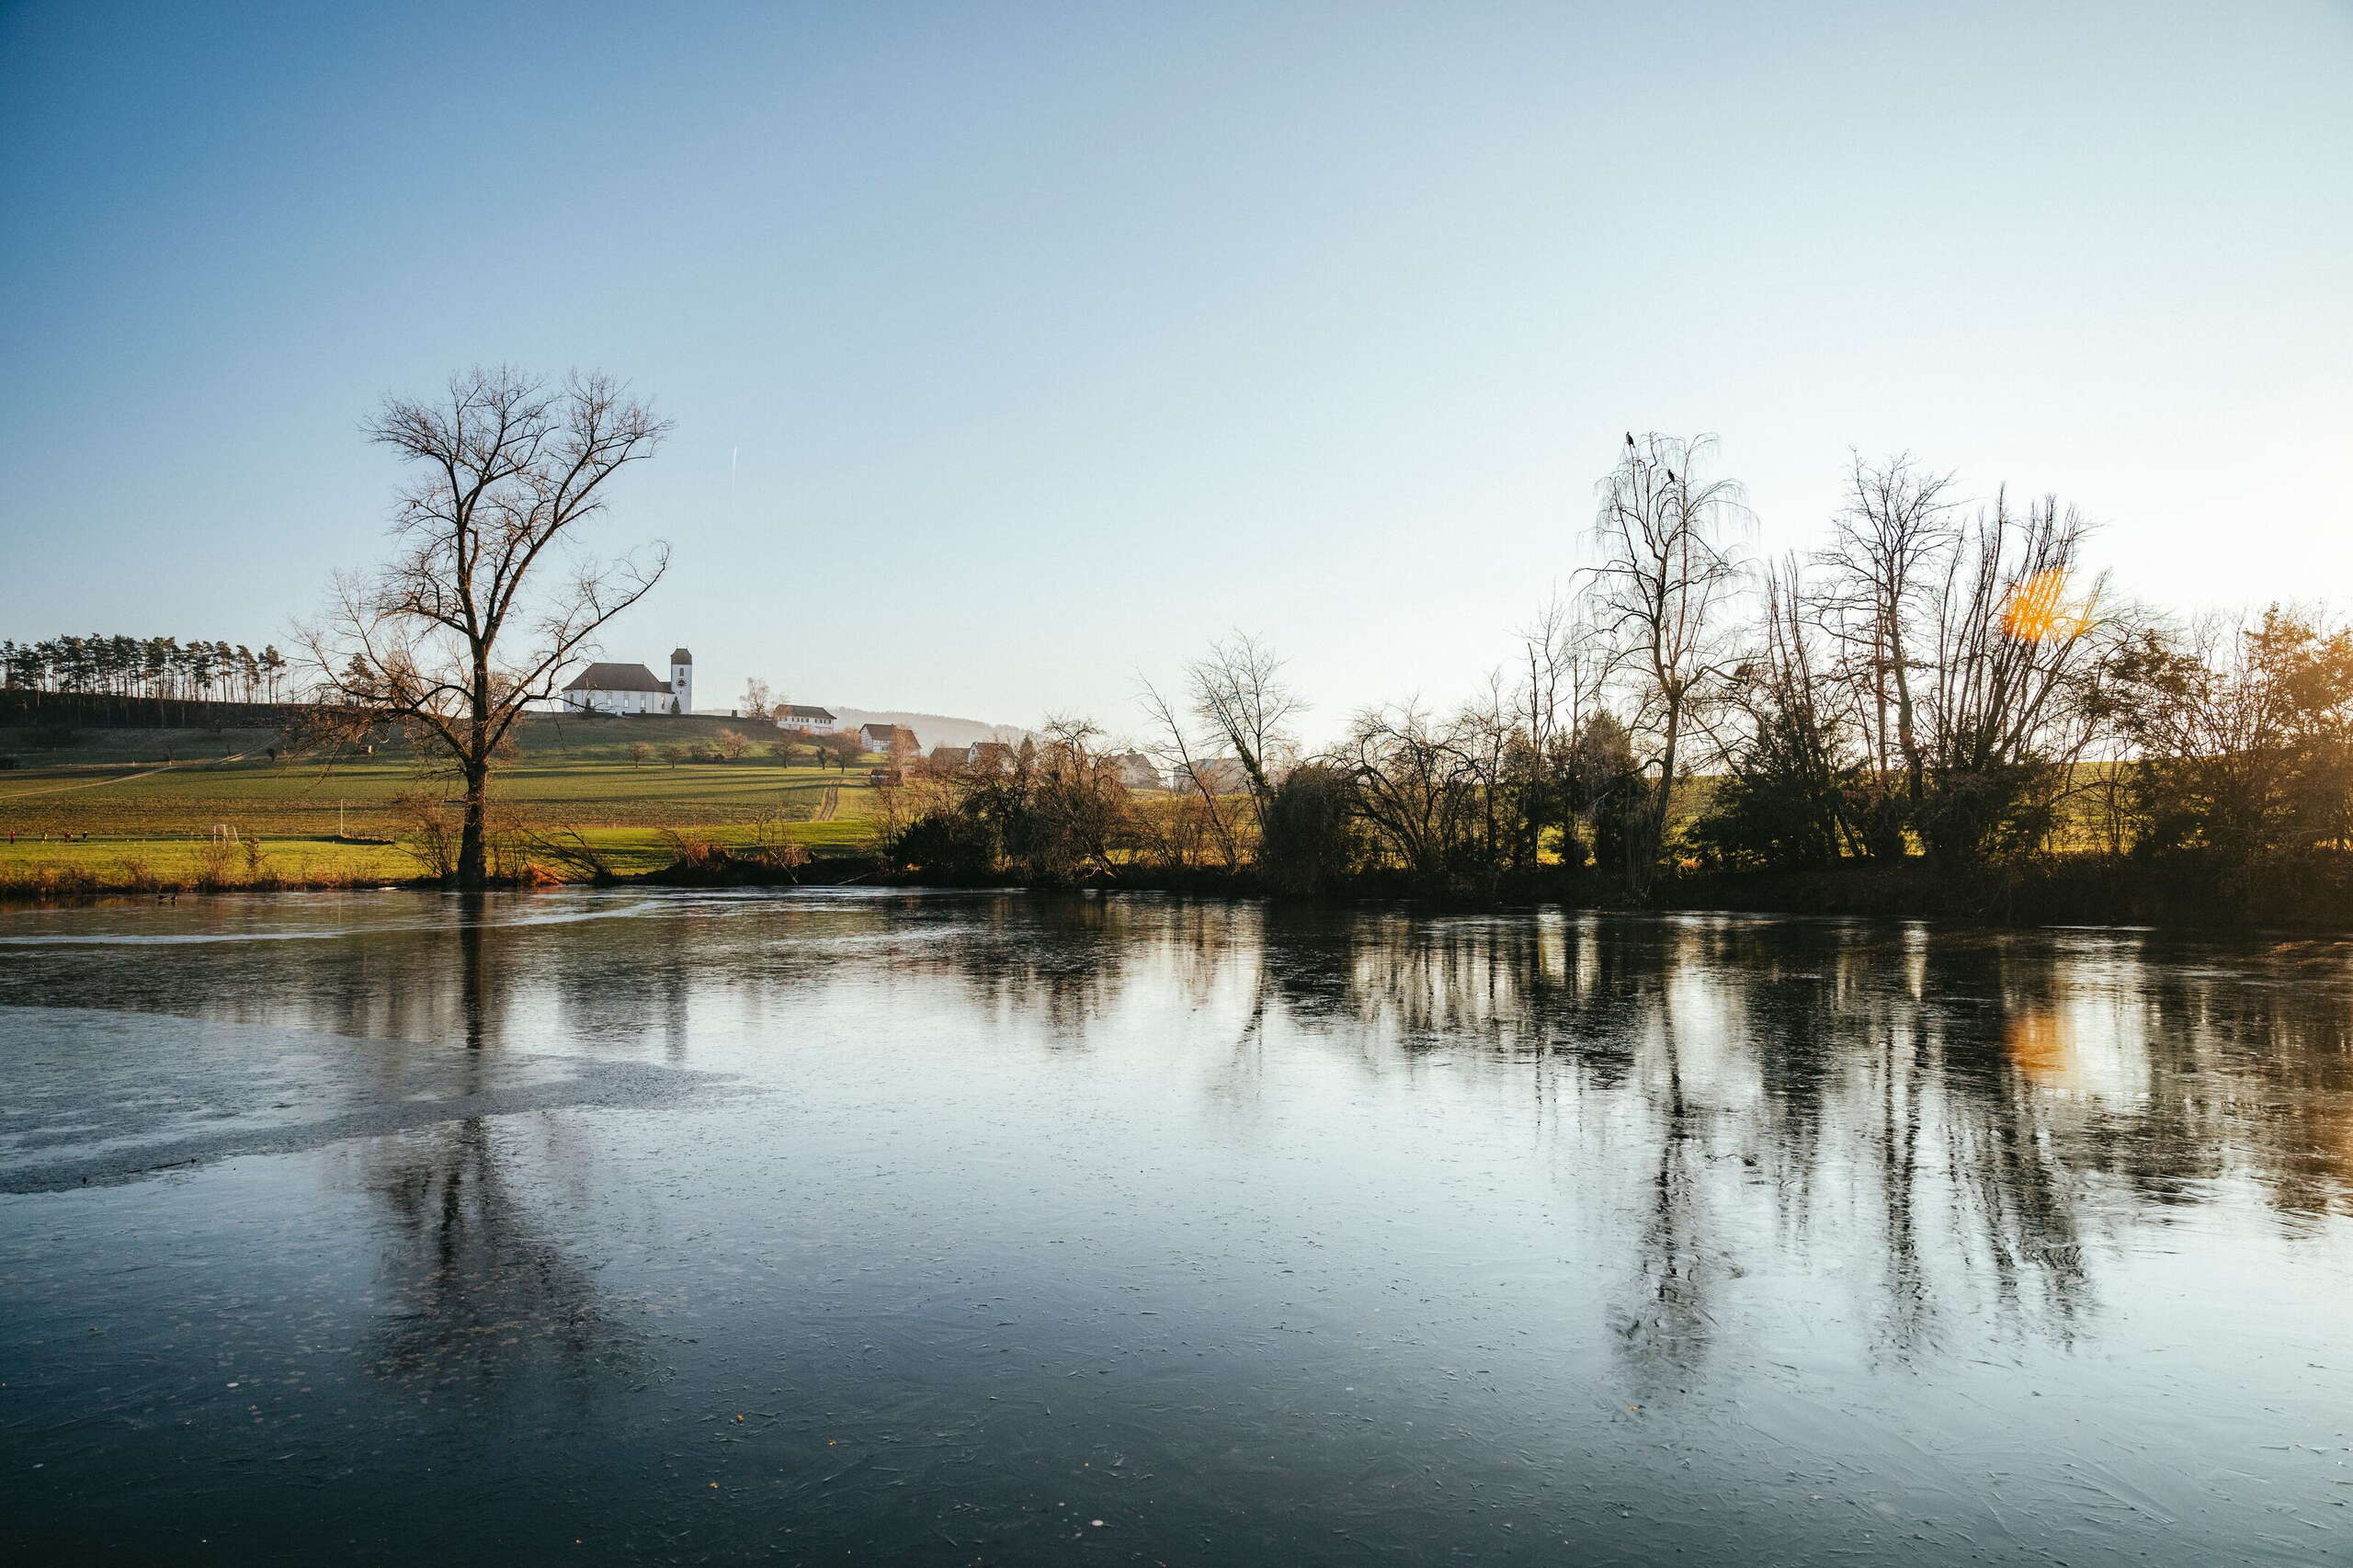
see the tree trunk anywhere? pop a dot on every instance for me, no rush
(473, 869)
(1656, 847)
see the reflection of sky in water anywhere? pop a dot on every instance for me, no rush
(1261, 1234)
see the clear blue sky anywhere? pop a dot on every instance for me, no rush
(1012, 347)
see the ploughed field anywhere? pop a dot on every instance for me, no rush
(840, 1226)
(159, 798)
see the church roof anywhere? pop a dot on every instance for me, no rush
(617, 678)
(680, 656)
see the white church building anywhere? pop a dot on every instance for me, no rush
(633, 688)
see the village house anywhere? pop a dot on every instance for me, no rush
(633, 688)
(888, 739)
(1211, 776)
(802, 720)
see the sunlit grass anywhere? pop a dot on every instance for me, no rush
(154, 803)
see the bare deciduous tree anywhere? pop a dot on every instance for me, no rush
(1785, 795)
(1238, 692)
(2006, 707)
(1174, 750)
(1560, 687)
(2242, 736)
(485, 607)
(1659, 595)
(1886, 559)
(1239, 702)
(1418, 786)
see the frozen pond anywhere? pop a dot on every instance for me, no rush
(959, 1228)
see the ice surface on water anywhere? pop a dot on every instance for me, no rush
(373, 1227)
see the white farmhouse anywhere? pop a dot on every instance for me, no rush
(804, 720)
(633, 688)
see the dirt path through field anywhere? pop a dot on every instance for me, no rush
(119, 779)
(830, 804)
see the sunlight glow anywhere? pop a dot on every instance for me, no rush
(2038, 611)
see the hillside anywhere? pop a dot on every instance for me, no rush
(154, 796)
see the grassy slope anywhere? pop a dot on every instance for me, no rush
(118, 787)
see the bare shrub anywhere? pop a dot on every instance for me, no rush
(426, 828)
(567, 851)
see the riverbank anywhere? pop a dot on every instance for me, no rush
(2315, 893)
(32, 870)
(2075, 890)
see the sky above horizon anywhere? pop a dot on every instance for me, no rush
(1017, 349)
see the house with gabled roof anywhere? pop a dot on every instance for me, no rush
(891, 740)
(804, 720)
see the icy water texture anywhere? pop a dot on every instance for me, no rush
(951, 1228)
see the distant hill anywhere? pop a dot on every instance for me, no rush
(931, 728)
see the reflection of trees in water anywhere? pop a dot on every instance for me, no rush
(1948, 1120)
(1063, 961)
(392, 981)
(2250, 1075)
(632, 983)
(480, 1297)
(1668, 1322)
(1900, 1042)
(477, 1295)
(2001, 1164)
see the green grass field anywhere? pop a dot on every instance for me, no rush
(152, 801)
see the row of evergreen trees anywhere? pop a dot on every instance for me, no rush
(156, 667)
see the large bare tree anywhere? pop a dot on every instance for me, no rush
(2012, 699)
(1886, 559)
(487, 602)
(1559, 689)
(1241, 703)
(1661, 594)
(1238, 692)
(1182, 757)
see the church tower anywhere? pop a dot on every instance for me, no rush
(682, 679)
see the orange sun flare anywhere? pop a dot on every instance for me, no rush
(2038, 610)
